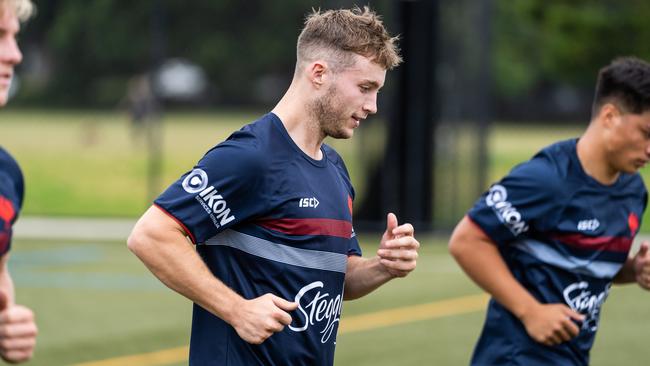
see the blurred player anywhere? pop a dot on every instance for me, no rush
(549, 239)
(17, 327)
(270, 210)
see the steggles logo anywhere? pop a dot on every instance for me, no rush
(580, 299)
(321, 309)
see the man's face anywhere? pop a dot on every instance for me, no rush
(350, 97)
(629, 141)
(9, 53)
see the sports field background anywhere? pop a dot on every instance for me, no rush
(88, 163)
(95, 301)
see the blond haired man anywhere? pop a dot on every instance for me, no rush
(17, 327)
(270, 212)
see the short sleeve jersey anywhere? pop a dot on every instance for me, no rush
(267, 218)
(564, 236)
(11, 197)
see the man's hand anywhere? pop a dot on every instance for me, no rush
(17, 331)
(398, 250)
(551, 324)
(257, 319)
(641, 266)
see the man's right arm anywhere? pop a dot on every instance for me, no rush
(480, 258)
(160, 243)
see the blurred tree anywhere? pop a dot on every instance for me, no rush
(94, 47)
(564, 41)
(99, 45)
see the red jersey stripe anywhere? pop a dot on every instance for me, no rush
(330, 227)
(608, 243)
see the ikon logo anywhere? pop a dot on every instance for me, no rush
(212, 202)
(505, 211)
(196, 181)
(308, 202)
(215, 204)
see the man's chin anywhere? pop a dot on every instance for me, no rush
(343, 135)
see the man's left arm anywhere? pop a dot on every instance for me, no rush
(396, 257)
(636, 268)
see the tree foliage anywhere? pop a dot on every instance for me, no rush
(94, 47)
(564, 41)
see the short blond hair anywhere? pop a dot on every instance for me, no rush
(335, 34)
(24, 9)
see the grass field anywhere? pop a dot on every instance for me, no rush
(95, 301)
(89, 164)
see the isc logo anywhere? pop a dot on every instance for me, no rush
(588, 225)
(308, 202)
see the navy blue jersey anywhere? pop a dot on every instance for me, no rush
(564, 236)
(11, 197)
(267, 218)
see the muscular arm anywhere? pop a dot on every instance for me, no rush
(479, 257)
(396, 257)
(160, 243)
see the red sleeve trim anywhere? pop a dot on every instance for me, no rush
(187, 231)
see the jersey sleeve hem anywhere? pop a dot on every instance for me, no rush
(187, 231)
(479, 227)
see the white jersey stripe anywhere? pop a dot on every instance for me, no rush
(547, 254)
(314, 259)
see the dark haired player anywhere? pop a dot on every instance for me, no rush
(551, 237)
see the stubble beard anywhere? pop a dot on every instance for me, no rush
(329, 118)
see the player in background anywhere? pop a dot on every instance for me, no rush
(551, 237)
(270, 212)
(17, 326)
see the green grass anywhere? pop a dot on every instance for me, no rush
(93, 301)
(96, 300)
(87, 163)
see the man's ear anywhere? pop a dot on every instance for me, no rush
(318, 71)
(609, 114)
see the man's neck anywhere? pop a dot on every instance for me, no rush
(298, 122)
(593, 157)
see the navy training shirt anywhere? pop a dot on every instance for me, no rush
(564, 236)
(11, 197)
(267, 218)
